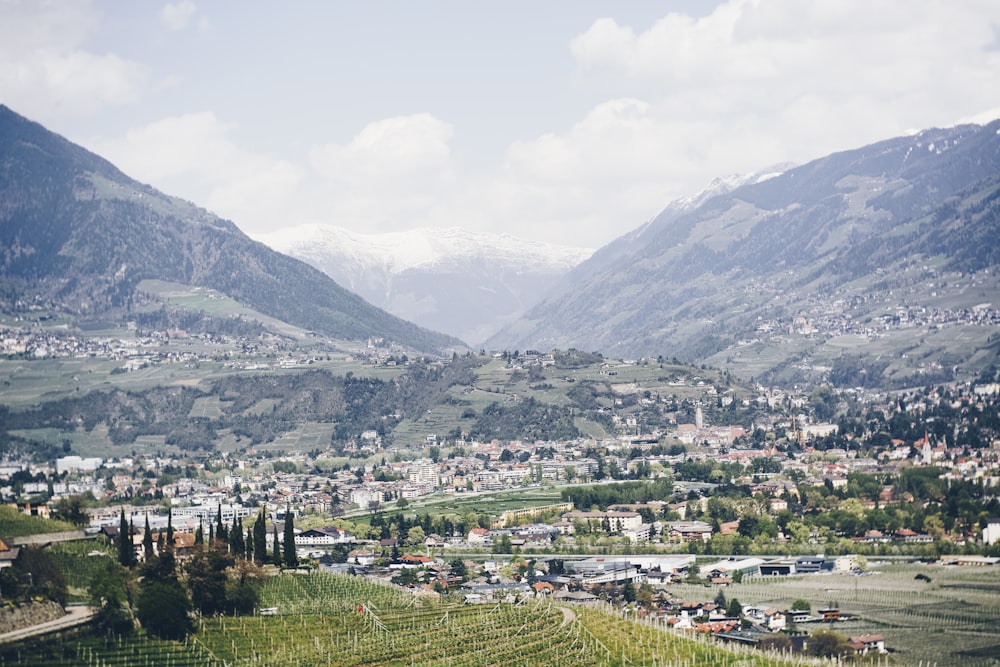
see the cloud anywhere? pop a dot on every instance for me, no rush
(193, 156)
(391, 174)
(178, 15)
(404, 150)
(749, 85)
(44, 70)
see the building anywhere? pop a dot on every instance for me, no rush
(991, 533)
(727, 568)
(688, 531)
(812, 564)
(616, 522)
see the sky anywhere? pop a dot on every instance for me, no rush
(566, 121)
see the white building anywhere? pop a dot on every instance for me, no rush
(991, 533)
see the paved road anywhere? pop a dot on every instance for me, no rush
(74, 616)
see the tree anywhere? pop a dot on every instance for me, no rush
(221, 534)
(170, 528)
(109, 595)
(237, 543)
(147, 541)
(73, 509)
(260, 538)
(415, 535)
(291, 559)
(206, 572)
(458, 569)
(720, 599)
(44, 576)
(628, 592)
(162, 608)
(801, 605)
(644, 597)
(735, 609)
(775, 642)
(276, 553)
(826, 644)
(126, 553)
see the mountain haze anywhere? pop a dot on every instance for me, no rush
(78, 234)
(463, 283)
(809, 270)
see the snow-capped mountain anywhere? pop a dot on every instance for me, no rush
(467, 284)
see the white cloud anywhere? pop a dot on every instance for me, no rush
(403, 150)
(193, 156)
(44, 70)
(178, 15)
(751, 84)
(393, 173)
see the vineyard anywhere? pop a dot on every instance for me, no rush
(338, 621)
(952, 618)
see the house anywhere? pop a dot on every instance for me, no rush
(8, 555)
(479, 537)
(327, 535)
(829, 614)
(360, 557)
(864, 644)
(543, 588)
(433, 541)
(574, 596)
(797, 615)
(416, 561)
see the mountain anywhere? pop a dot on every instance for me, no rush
(466, 284)
(868, 266)
(79, 235)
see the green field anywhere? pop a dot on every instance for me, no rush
(15, 524)
(337, 620)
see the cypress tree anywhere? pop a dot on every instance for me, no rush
(236, 545)
(170, 527)
(260, 538)
(199, 534)
(125, 551)
(221, 533)
(291, 559)
(147, 541)
(277, 548)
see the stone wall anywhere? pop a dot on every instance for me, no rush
(27, 614)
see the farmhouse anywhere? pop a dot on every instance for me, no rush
(863, 644)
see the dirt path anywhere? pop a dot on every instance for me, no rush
(569, 615)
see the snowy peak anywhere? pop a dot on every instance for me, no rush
(396, 252)
(467, 284)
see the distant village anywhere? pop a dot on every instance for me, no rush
(785, 470)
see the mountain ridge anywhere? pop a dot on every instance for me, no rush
(79, 233)
(699, 281)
